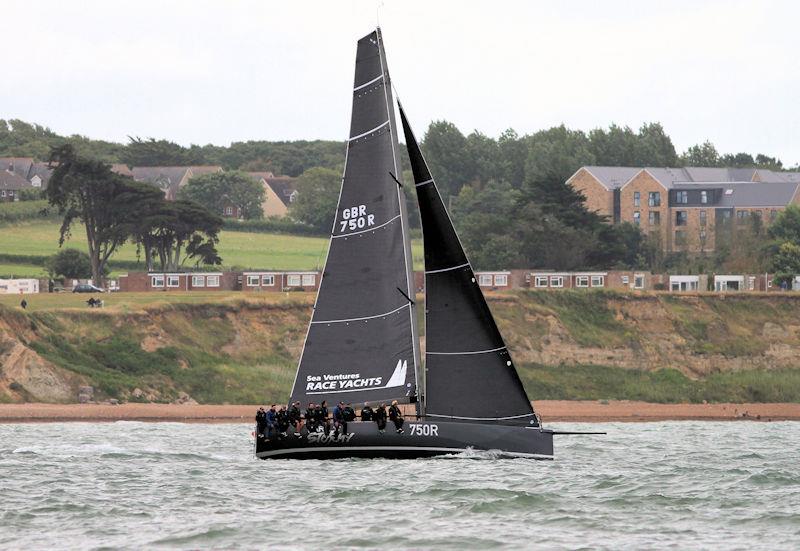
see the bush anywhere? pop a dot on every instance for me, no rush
(271, 225)
(25, 210)
(70, 263)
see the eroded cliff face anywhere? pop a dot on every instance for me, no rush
(246, 350)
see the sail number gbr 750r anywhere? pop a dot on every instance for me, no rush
(356, 218)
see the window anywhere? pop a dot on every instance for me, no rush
(556, 281)
(11, 193)
(157, 281)
(2, 193)
(680, 238)
(581, 281)
(741, 216)
(198, 281)
(228, 211)
(637, 200)
(485, 280)
(703, 217)
(501, 280)
(212, 281)
(173, 281)
(655, 218)
(638, 281)
(773, 214)
(252, 280)
(267, 280)
(704, 197)
(626, 280)
(682, 197)
(654, 198)
(703, 236)
(540, 281)
(308, 280)
(293, 280)
(681, 217)
(637, 217)
(726, 216)
(598, 281)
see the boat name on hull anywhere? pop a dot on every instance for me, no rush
(318, 438)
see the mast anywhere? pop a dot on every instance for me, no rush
(469, 372)
(362, 342)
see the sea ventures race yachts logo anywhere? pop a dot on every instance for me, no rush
(354, 382)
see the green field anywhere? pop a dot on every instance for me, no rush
(237, 249)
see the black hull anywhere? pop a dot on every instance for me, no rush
(419, 439)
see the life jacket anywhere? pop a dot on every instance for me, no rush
(394, 412)
(349, 414)
(367, 413)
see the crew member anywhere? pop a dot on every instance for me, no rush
(261, 422)
(349, 413)
(396, 416)
(294, 418)
(380, 417)
(272, 422)
(311, 418)
(326, 424)
(282, 418)
(366, 412)
(338, 419)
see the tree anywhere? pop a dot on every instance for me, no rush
(317, 198)
(654, 147)
(152, 152)
(176, 232)
(786, 226)
(447, 154)
(87, 191)
(69, 263)
(704, 154)
(216, 190)
(786, 262)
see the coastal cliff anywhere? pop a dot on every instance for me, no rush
(567, 345)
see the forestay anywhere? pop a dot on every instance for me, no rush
(469, 371)
(362, 342)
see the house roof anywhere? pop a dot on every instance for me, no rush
(201, 170)
(283, 186)
(13, 181)
(613, 177)
(259, 175)
(19, 165)
(42, 170)
(749, 194)
(121, 169)
(166, 178)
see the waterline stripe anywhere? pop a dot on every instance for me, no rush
(377, 78)
(480, 418)
(364, 318)
(287, 451)
(368, 132)
(464, 353)
(447, 269)
(425, 182)
(364, 231)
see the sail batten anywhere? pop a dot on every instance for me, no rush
(362, 338)
(469, 372)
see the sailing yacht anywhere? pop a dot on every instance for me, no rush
(363, 344)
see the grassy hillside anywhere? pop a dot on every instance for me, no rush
(228, 347)
(39, 238)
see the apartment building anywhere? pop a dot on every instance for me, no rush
(692, 209)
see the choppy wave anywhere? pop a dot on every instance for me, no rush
(687, 485)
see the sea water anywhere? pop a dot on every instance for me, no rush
(673, 485)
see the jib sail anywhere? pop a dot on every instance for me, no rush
(469, 371)
(362, 342)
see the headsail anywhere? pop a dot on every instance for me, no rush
(469, 372)
(362, 342)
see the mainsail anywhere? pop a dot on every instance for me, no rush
(469, 371)
(362, 342)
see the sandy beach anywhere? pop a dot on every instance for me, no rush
(550, 410)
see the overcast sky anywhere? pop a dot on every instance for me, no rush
(215, 72)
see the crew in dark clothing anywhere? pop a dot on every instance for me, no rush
(295, 419)
(380, 417)
(311, 418)
(23, 303)
(366, 412)
(326, 424)
(349, 414)
(319, 418)
(261, 422)
(272, 422)
(397, 417)
(282, 418)
(339, 423)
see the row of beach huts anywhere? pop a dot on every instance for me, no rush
(283, 281)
